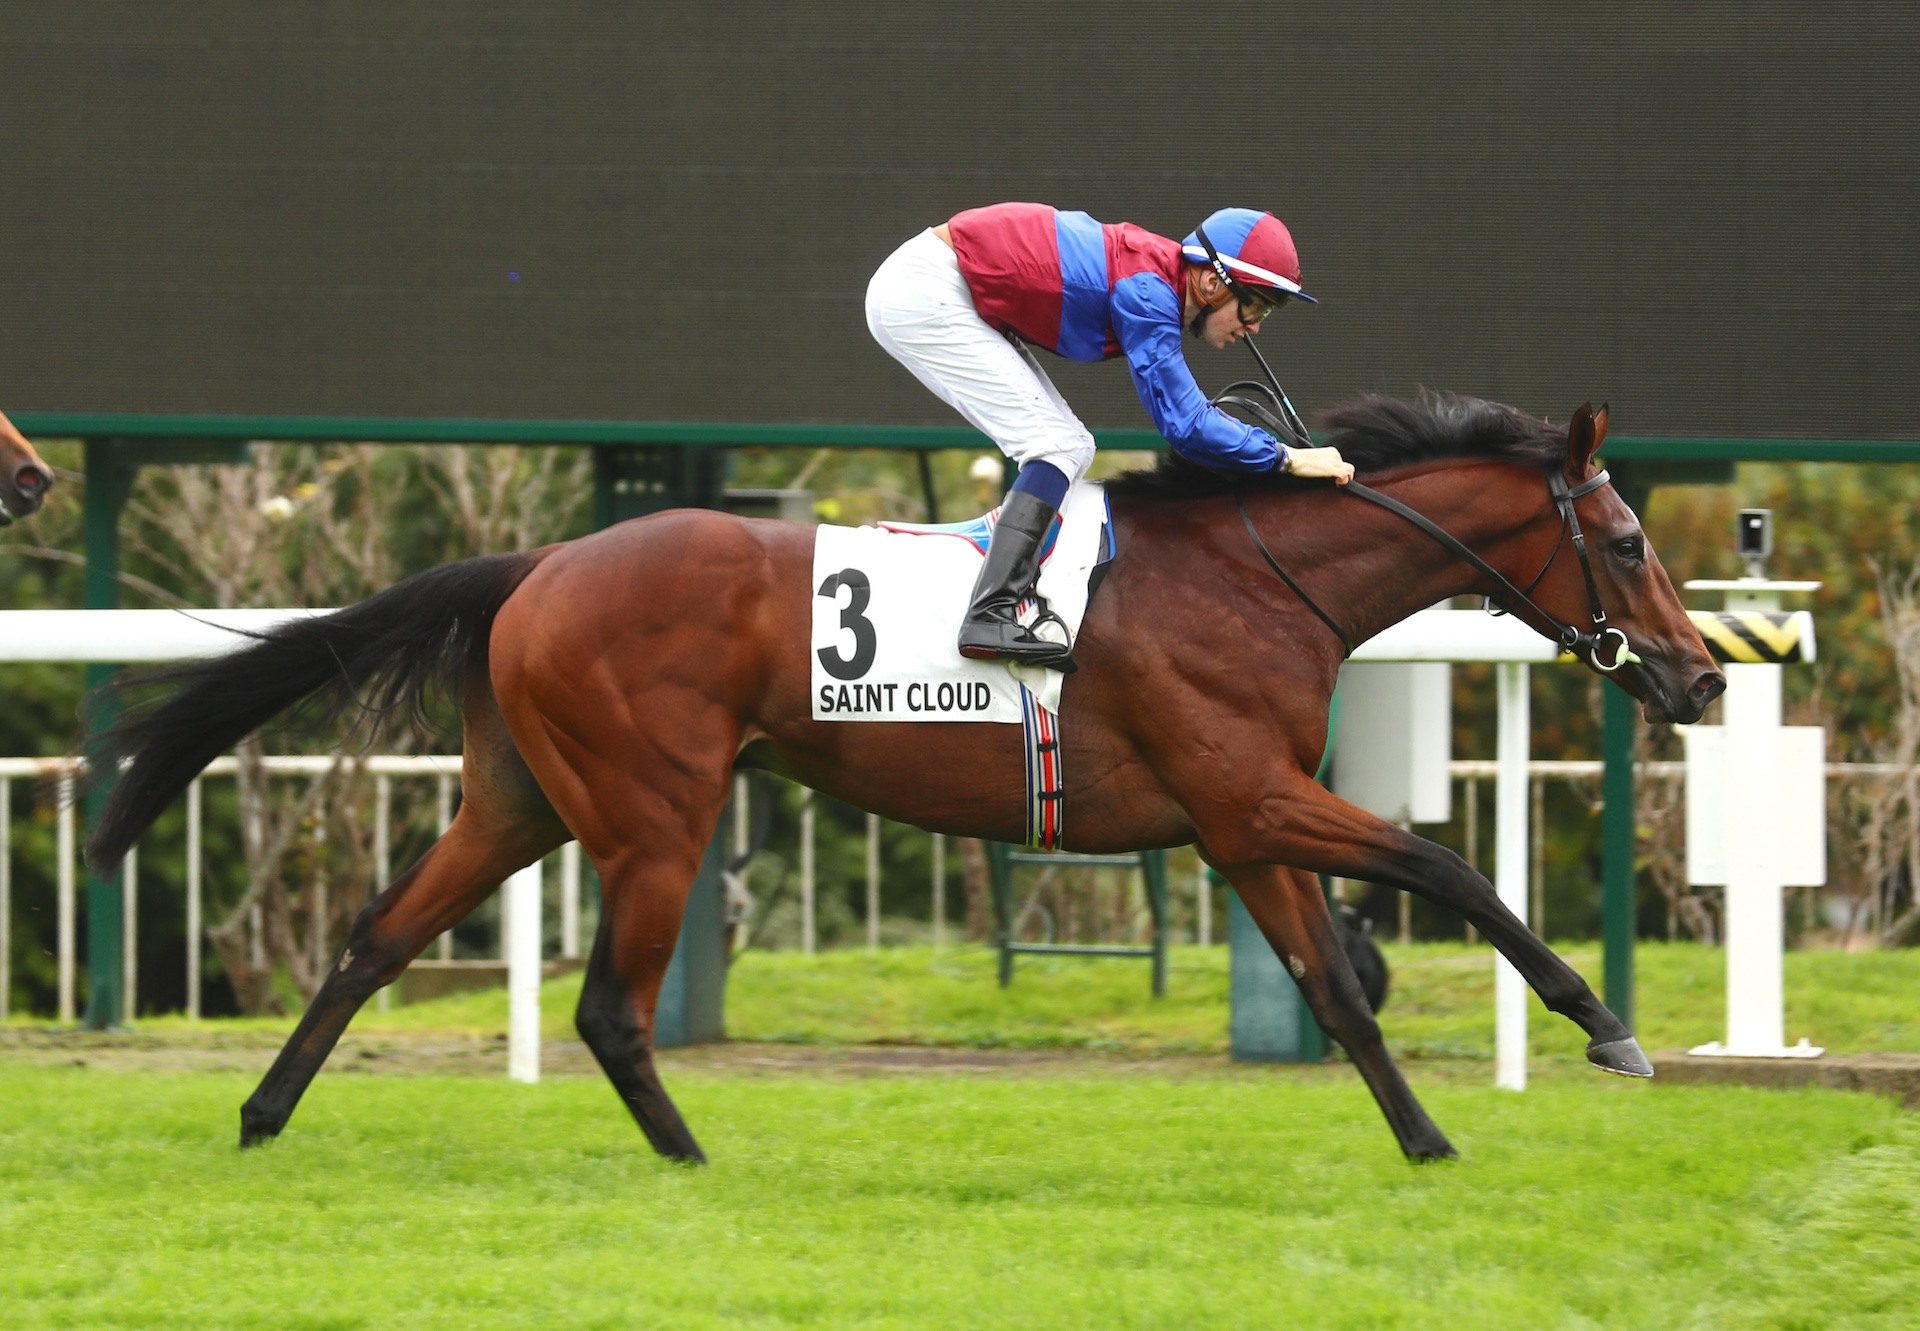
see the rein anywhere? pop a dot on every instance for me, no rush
(1286, 425)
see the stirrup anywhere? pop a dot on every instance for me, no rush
(1007, 639)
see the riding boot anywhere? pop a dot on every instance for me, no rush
(1007, 577)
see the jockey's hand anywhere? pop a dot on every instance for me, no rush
(1319, 464)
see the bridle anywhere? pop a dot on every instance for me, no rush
(1281, 418)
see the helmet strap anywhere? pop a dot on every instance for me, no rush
(1220, 269)
(1205, 307)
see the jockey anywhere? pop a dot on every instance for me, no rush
(963, 304)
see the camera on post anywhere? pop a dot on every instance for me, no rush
(1753, 539)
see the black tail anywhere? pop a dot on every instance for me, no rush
(379, 656)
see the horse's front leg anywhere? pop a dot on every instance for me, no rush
(1292, 914)
(1302, 823)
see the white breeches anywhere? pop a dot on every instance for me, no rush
(919, 309)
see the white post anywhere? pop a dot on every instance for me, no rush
(129, 936)
(570, 900)
(807, 933)
(6, 890)
(1510, 871)
(65, 889)
(939, 890)
(1751, 719)
(522, 912)
(193, 900)
(873, 881)
(1756, 802)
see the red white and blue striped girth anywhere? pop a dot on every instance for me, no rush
(1046, 795)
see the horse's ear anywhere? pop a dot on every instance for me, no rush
(1600, 427)
(1582, 441)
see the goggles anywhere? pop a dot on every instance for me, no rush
(1256, 303)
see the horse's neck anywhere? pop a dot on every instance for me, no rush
(1377, 568)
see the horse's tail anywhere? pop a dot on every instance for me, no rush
(379, 656)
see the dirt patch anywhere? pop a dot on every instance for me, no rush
(440, 1054)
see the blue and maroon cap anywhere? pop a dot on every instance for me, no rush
(1255, 248)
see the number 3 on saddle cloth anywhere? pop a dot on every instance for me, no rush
(887, 605)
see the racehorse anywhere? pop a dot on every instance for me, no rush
(609, 686)
(24, 478)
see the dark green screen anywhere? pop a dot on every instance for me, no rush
(597, 211)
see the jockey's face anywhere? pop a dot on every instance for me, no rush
(1213, 315)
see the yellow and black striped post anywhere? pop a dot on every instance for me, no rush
(1757, 637)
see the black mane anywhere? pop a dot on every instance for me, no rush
(1377, 433)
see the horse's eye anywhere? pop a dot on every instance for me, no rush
(1630, 548)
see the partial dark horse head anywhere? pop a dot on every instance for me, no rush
(24, 478)
(611, 687)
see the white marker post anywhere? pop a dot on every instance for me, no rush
(523, 974)
(1510, 871)
(1756, 819)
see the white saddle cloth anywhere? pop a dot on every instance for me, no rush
(887, 606)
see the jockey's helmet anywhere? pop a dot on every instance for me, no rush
(1246, 248)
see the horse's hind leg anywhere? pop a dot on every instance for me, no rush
(643, 897)
(461, 870)
(1292, 914)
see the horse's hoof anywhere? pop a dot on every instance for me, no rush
(256, 1132)
(1621, 1057)
(1427, 1155)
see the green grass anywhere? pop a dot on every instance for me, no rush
(1259, 1199)
(1090, 1194)
(1441, 1005)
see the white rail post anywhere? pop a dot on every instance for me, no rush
(65, 889)
(1510, 871)
(193, 900)
(522, 903)
(570, 900)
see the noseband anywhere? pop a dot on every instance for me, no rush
(1592, 643)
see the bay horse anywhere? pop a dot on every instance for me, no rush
(610, 686)
(24, 478)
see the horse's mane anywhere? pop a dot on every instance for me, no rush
(1377, 433)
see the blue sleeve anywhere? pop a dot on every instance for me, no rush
(1146, 323)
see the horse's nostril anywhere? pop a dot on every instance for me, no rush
(31, 480)
(1708, 687)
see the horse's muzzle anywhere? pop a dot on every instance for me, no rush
(1710, 685)
(1688, 707)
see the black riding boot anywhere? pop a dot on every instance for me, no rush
(1007, 577)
